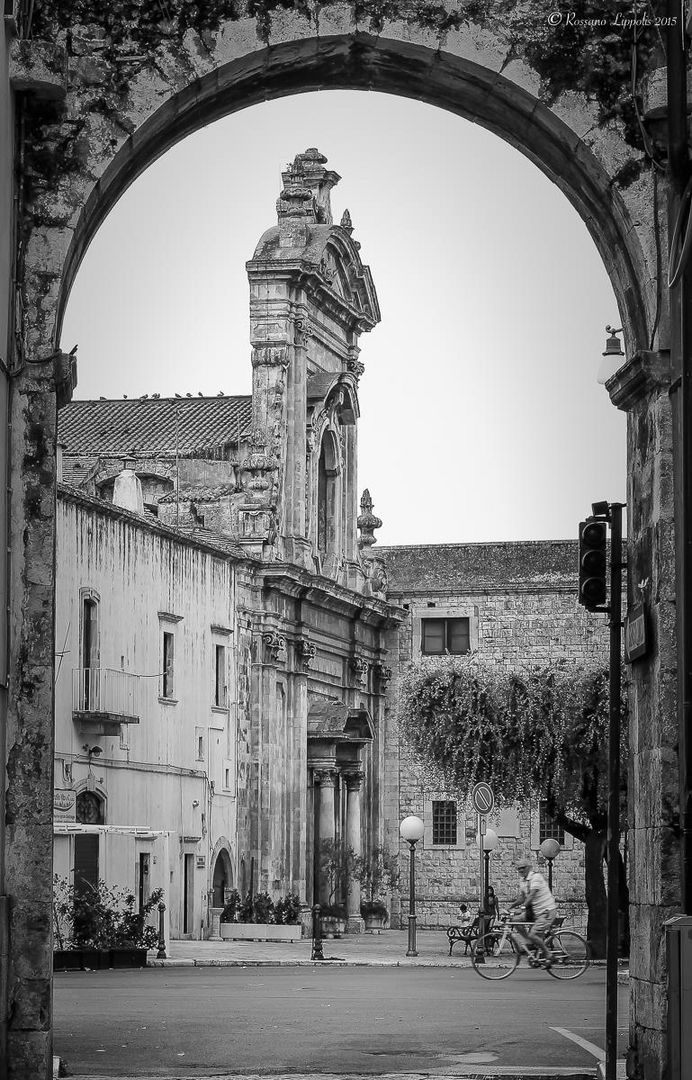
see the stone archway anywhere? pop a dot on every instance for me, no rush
(103, 101)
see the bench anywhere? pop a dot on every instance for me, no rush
(468, 934)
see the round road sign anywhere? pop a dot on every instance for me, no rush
(483, 798)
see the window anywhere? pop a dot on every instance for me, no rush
(89, 660)
(444, 822)
(220, 696)
(443, 637)
(199, 744)
(548, 828)
(167, 665)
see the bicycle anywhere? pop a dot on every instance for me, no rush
(497, 954)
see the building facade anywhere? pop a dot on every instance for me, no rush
(514, 604)
(254, 500)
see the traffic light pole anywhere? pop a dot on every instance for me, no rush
(613, 844)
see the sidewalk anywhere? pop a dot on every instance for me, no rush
(388, 948)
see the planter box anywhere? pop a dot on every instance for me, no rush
(259, 932)
(97, 959)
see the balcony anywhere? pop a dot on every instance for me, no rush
(103, 699)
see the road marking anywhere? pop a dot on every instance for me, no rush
(590, 1047)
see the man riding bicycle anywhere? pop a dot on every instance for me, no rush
(539, 907)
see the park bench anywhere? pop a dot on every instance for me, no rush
(466, 932)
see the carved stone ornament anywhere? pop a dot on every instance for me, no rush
(367, 521)
(354, 780)
(307, 651)
(301, 328)
(356, 367)
(359, 670)
(324, 777)
(383, 673)
(375, 572)
(270, 356)
(275, 644)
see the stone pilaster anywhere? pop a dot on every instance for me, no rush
(641, 387)
(28, 796)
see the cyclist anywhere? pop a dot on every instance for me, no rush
(539, 907)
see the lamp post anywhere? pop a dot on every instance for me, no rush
(412, 829)
(550, 849)
(490, 842)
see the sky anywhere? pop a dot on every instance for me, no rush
(481, 418)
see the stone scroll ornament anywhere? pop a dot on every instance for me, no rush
(307, 652)
(359, 670)
(275, 645)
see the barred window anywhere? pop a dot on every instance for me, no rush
(548, 828)
(445, 637)
(444, 823)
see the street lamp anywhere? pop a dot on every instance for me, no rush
(490, 842)
(550, 849)
(412, 829)
(613, 357)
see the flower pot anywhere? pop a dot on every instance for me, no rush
(260, 932)
(333, 926)
(97, 959)
(375, 922)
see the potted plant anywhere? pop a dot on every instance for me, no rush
(378, 873)
(336, 862)
(260, 918)
(99, 927)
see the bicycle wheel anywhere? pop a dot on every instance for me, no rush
(493, 958)
(570, 955)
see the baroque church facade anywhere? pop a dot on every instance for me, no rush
(229, 639)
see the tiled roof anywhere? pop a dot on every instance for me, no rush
(198, 494)
(136, 426)
(472, 567)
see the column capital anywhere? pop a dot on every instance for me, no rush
(354, 779)
(324, 777)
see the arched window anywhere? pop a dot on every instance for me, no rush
(327, 495)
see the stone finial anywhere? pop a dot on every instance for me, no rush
(367, 521)
(346, 223)
(307, 187)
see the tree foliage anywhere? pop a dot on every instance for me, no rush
(534, 732)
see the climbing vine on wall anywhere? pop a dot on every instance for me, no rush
(534, 732)
(589, 46)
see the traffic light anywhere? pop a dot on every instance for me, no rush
(593, 566)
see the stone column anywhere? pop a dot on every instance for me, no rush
(354, 785)
(326, 782)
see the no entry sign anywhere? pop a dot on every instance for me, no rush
(483, 798)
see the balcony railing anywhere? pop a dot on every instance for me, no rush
(105, 693)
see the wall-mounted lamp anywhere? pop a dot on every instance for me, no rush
(613, 357)
(92, 751)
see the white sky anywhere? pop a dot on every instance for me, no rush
(481, 418)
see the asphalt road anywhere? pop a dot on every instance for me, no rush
(201, 1021)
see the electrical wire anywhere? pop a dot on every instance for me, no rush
(678, 263)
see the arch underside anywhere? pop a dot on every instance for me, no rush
(362, 62)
